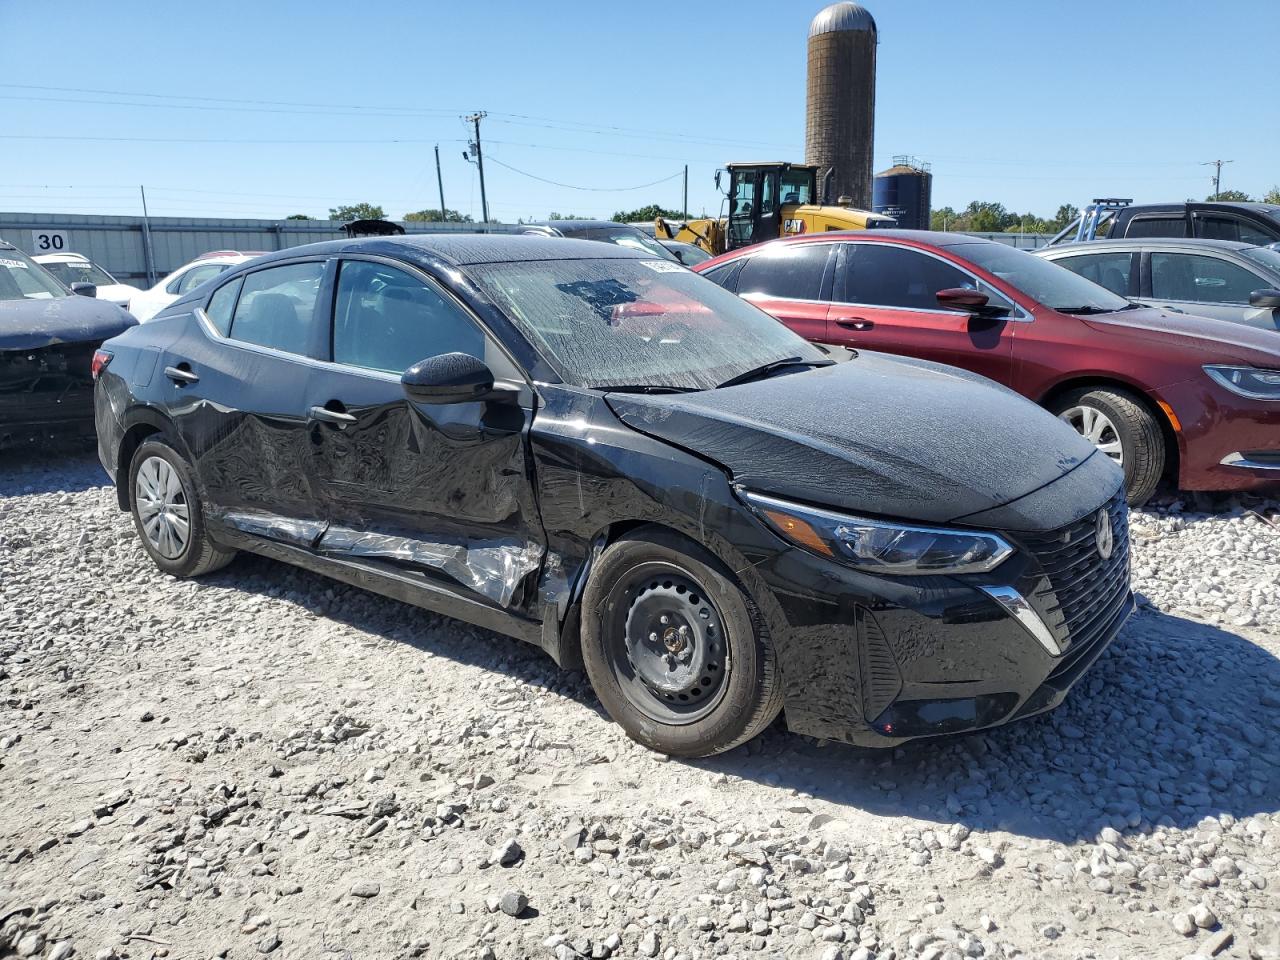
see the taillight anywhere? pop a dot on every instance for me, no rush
(100, 360)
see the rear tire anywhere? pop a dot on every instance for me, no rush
(675, 648)
(1119, 423)
(168, 515)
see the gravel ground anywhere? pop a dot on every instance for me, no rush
(266, 762)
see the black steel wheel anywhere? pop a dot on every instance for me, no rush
(675, 648)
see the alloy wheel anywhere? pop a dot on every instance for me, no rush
(162, 507)
(1096, 427)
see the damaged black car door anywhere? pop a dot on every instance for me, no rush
(442, 488)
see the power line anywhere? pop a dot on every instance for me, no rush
(571, 186)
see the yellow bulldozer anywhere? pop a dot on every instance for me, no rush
(767, 201)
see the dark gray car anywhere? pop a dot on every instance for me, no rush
(1210, 278)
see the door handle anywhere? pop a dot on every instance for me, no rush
(854, 323)
(181, 374)
(331, 416)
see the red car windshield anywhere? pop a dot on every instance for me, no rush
(1047, 283)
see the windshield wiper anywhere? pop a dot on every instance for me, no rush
(1084, 311)
(640, 388)
(756, 372)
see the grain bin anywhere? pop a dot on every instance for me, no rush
(904, 192)
(840, 115)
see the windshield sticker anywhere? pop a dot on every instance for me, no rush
(662, 266)
(12, 264)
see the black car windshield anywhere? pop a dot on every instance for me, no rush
(21, 278)
(80, 271)
(603, 323)
(1047, 283)
(1267, 256)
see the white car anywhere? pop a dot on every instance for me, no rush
(77, 268)
(145, 304)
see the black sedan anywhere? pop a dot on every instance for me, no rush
(606, 455)
(47, 341)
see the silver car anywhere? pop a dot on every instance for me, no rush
(1222, 279)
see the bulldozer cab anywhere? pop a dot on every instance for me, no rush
(757, 194)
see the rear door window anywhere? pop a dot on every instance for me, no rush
(387, 319)
(786, 272)
(222, 304)
(276, 308)
(1174, 225)
(1198, 279)
(1111, 270)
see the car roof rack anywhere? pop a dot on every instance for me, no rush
(1096, 213)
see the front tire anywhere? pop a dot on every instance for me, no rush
(167, 513)
(1123, 428)
(675, 648)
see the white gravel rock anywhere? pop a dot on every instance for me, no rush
(306, 740)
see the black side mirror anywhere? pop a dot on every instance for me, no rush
(82, 289)
(1267, 299)
(451, 378)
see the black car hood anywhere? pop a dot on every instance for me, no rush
(29, 324)
(878, 435)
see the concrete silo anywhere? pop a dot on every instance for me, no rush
(839, 127)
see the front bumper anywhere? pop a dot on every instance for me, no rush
(876, 661)
(1226, 442)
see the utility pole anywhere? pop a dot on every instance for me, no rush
(475, 118)
(440, 184)
(1217, 173)
(146, 238)
(685, 206)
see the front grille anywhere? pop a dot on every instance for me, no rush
(1080, 594)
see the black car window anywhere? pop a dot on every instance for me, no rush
(1111, 270)
(1174, 225)
(1180, 276)
(386, 319)
(1221, 227)
(884, 275)
(723, 274)
(277, 305)
(222, 303)
(787, 271)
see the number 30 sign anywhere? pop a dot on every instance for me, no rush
(49, 241)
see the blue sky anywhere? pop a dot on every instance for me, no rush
(1027, 103)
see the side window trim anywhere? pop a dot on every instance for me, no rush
(1018, 314)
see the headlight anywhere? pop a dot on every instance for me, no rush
(878, 546)
(1251, 382)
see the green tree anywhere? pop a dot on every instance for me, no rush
(1272, 195)
(944, 218)
(1066, 213)
(566, 216)
(356, 211)
(645, 214)
(985, 216)
(299, 216)
(432, 215)
(1239, 195)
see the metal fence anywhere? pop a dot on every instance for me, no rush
(1022, 241)
(120, 243)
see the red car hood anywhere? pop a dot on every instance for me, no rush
(1217, 340)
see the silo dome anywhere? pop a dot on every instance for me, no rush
(840, 17)
(841, 102)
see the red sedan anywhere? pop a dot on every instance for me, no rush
(1163, 394)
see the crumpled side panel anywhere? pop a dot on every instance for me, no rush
(270, 526)
(492, 568)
